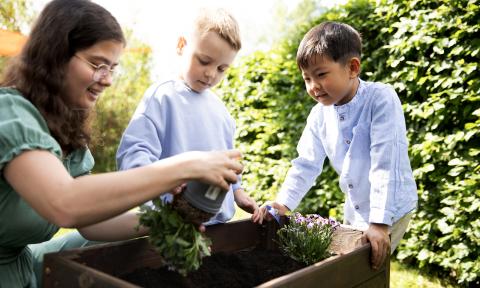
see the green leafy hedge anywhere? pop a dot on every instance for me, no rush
(430, 52)
(433, 61)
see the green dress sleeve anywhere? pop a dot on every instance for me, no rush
(22, 128)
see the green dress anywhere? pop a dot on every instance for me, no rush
(23, 128)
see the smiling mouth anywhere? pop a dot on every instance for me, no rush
(94, 93)
(205, 83)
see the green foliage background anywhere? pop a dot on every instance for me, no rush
(429, 51)
(15, 16)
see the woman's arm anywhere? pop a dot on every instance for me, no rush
(41, 179)
(122, 227)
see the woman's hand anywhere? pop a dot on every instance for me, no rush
(219, 168)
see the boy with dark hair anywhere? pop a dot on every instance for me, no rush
(360, 127)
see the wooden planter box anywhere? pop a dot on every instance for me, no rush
(95, 266)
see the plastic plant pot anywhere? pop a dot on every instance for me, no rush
(205, 197)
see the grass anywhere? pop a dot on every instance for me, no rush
(401, 276)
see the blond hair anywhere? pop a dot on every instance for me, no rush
(220, 21)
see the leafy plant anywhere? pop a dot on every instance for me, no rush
(181, 245)
(306, 239)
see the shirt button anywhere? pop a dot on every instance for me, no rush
(356, 207)
(342, 118)
(350, 186)
(347, 141)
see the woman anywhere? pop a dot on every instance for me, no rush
(46, 99)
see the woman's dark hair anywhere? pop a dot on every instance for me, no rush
(63, 28)
(337, 41)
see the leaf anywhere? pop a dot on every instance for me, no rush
(444, 227)
(458, 162)
(423, 255)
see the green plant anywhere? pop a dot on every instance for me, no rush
(306, 238)
(180, 243)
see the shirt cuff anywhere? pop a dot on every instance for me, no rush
(285, 199)
(236, 186)
(381, 216)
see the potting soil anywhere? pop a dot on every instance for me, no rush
(246, 268)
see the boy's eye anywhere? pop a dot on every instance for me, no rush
(203, 62)
(221, 69)
(321, 74)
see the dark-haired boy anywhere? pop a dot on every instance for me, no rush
(360, 127)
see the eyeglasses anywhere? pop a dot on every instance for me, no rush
(101, 71)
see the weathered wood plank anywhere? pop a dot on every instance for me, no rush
(348, 270)
(60, 272)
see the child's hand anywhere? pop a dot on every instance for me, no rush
(178, 189)
(245, 202)
(377, 235)
(264, 215)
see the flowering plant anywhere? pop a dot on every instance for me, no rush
(306, 238)
(179, 242)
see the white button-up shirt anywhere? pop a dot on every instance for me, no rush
(365, 141)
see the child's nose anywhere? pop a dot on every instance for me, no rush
(315, 88)
(209, 73)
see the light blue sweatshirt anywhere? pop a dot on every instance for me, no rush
(172, 119)
(365, 141)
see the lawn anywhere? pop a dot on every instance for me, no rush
(402, 276)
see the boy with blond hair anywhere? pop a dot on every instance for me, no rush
(360, 127)
(183, 114)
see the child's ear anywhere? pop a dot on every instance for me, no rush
(181, 43)
(354, 67)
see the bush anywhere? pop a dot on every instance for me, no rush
(432, 61)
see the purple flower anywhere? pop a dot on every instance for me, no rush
(306, 238)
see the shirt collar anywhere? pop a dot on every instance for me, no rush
(357, 98)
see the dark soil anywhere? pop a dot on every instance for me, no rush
(188, 212)
(246, 268)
